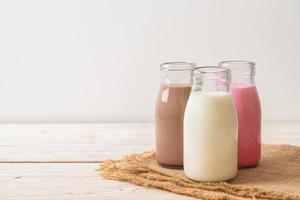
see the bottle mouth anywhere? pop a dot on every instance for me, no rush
(210, 71)
(239, 66)
(177, 66)
(238, 62)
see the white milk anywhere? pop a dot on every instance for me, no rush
(210, 137)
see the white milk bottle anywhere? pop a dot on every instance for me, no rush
(210, 127)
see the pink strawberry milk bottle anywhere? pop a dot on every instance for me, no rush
(247, 103)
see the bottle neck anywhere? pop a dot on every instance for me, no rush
(176, 73)
(242, 72)
(211, 79)
(240, 78)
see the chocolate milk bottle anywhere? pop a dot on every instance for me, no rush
(170, 106)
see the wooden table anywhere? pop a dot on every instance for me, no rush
(58, 161)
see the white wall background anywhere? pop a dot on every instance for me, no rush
(98, 60)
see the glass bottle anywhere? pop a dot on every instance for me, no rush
(248, 107)
(210, 127)
(170, 105)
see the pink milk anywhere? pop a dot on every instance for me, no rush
(247, 104)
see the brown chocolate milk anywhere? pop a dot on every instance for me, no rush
(170, 107)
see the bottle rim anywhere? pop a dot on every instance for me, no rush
(177, 66)
(202, 70)
(245, 62)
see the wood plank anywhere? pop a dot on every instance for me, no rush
(72, 142)
(96, 142)
(85, 143)
(68, 181)
(281, 132)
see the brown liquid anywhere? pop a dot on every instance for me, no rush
(170, 107)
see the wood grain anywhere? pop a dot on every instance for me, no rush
(68, 181)
(58, 161)
(96, 142)
(72, 142)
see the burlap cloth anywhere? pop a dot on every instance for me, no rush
(276, 177)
